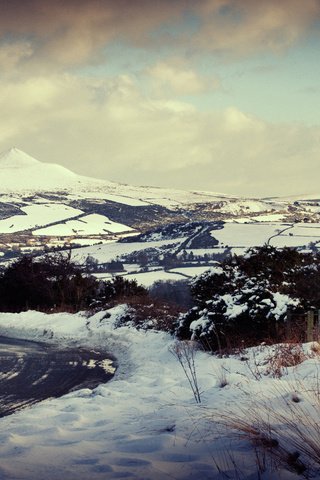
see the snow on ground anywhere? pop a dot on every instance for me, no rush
(257, 234)
(144, 424)
(143, 278)
(168, 198)
(313, 208)
(292, 241)
(191, 271)
(96, 195)
(104, 275)
(272, 217)
(244, 206)
(93, 224)
(110, 251)
(246, 235)
(37, 215)
(22, 173)
(307, 229)
(88, 241)
(149, 278)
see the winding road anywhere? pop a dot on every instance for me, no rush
(31, 372)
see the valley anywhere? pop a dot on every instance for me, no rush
(146, 233)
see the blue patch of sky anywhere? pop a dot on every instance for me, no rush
(282, 87)
(121, 58)
(187, 24)
(279, 93)
(277, 88)
(231, 12)
(10, 38)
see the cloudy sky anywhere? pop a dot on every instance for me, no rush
(220, 95)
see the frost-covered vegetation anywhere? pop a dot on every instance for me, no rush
(247, 298)
(258, 416)
(242, 301)
(188, 410)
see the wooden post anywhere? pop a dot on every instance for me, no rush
(288, 326)
(317, 328)
(310, 325)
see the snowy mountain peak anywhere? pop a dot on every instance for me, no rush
(21, 172)
(15, 158)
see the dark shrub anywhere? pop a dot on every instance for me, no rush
(247, 298)
(52, 282)
(172, 292)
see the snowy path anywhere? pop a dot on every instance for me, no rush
(143, 424)
(279, 233)
(31, 372)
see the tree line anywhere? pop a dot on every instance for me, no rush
(54, 282)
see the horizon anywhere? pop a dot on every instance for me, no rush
(213, 95)
(16, 150)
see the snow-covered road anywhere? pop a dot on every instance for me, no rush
(31, 372)
(144, 423)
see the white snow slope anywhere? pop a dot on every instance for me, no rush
(36, 215)
(20, 173)
(144, 424)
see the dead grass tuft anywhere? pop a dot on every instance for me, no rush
(284, 356)
(284, 429)
(145, 313)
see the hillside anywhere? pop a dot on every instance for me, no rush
(46, 206)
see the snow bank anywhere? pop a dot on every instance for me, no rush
(143, 424)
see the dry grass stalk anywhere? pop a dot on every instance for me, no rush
(288, 432)
(285, 355)
(184, 352)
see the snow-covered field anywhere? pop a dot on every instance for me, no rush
(257, 234)
(292, 241)
(271, 217)
(234, 235)
(93, 224)
(112, 250)
(190, 271)
(144, 424)
(59, 214)
(147, 279)
(35, 215)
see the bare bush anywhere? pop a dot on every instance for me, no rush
(145, 313)
(221, 376)
(172, 292)
(285, 355)
(185, 352)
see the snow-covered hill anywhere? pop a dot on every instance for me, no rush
(19, 172)
(44, 204)
(22, 175)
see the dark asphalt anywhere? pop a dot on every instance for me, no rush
(31, 372)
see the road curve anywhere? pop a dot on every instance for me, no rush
(31, 372)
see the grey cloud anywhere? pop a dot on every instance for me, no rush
(72, 32)
(130, 138)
